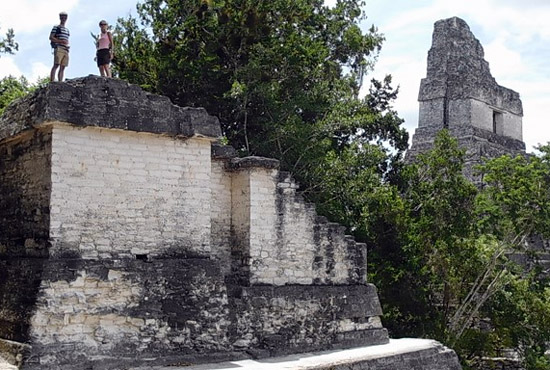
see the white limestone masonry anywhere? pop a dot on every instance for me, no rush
(278, 233)
(220, 210)
(120, 193)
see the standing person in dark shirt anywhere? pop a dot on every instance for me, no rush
(59, 38)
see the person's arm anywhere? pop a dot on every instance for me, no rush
(111, 43)
(55, 39)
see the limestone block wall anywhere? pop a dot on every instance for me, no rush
(25, 194)
(117, 312)
(121, 194)
(461, 112)
(280, 319)
(509, 124)
(513, 126)
(122, 310)
(152, 244)
(279, 239)
(221, 241)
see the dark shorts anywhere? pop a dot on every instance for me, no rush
(103, 57)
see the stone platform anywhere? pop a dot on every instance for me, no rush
(405, 353)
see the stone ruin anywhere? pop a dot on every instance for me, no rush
(459, 94)
(128, 235)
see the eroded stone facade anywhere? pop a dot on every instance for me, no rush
(460, 94)
(126, 235)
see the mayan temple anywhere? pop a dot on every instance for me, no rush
(129, 237)
(459, 94)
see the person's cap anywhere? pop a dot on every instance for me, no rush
(63, 13)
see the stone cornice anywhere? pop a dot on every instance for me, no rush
(109, 103)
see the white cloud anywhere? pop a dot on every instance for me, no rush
(8, 67)
(27, 16)
(503, 60)
(39, 70)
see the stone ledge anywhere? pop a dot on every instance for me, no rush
(223, 152)
(399, 354)
(109, 103)
(253, 162)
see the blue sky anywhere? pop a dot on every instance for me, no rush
(515, 36)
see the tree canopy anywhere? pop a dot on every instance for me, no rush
(453, 271)
(283, 76)
(12, 88)
(8, 44)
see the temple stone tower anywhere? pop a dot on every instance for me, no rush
(460, 94)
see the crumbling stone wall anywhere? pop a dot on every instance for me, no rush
(123, 311)
(321, 316)
(221, 209)
(279, 239)
(156, 245)
(25, 194)
(126, 309)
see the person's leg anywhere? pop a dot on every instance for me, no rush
(102, 70)
(52, 72)
(107, 70)
(63, 63)
(56, 62)
(60, 74)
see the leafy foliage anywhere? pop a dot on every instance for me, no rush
(8, 44)
(284, 78)
(12, 88)
(450, 273)
(432, 256)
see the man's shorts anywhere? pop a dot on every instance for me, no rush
(61, 56)
(103, 57)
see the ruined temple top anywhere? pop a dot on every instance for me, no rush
(457, 69)
(106, 102)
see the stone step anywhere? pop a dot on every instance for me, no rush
(398, 354)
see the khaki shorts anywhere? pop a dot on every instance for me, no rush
(61, 57)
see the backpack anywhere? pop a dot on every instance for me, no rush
(57, 32)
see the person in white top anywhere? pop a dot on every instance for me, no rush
(104, 53)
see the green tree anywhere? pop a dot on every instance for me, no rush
(453, 275)
(8, 44)
(12, 88)
(283, 76)
(424, 273)
(514, 210)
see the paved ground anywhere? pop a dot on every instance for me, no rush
(303, 361)
(317, 360)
